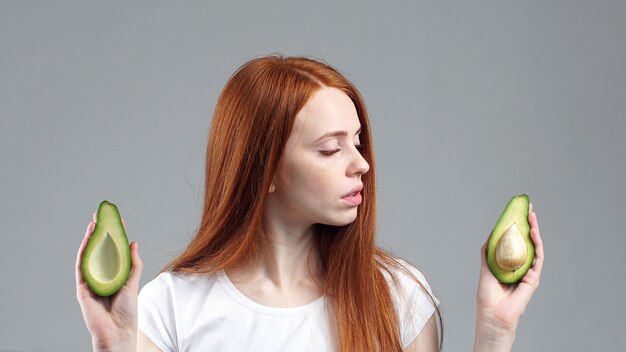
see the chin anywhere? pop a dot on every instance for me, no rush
(341, 221)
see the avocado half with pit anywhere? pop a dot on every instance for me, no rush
(106, 260)
(511, 251)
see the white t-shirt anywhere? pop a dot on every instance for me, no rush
(194, 312)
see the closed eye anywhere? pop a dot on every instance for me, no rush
(359, 147)
(330, 152)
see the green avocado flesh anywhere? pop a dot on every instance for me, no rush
(511, 251)
(106, 260)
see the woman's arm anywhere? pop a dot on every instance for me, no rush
(499, 307)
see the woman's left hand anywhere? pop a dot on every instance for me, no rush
(500, 306)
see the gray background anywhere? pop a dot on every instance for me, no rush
(471, 103)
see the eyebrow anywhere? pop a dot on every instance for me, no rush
(336, 134)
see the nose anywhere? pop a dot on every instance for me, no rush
(358, 164)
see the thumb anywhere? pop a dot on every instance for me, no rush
(136, 267)
(483, 255)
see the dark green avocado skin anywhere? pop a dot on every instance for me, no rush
(515, 211)
(116, 257)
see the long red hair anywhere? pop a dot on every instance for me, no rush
(252, 120)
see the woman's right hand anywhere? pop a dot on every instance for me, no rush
(111, 321)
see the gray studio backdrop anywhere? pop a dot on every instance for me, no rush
(471, 103)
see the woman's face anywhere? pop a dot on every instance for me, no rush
(319, 180)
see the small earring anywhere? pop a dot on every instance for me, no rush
(272, 188)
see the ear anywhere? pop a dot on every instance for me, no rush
(272, 187)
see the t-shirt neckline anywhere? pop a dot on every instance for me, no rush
(245, 301)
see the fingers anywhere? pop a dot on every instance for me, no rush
(536, 237)
(90, 227)
(136, 268)
(483, 249)
(81, 249)
(532, 220)
(484, 269)
(531, 280)
(483, 252)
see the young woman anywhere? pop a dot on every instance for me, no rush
(285, 257)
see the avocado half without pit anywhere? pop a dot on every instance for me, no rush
(511, 251)
(106, 260)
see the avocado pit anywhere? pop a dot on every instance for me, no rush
(511, 252)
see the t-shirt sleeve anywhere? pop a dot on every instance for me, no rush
(414, 303)
(156, 313)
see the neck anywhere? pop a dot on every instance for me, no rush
(283, 267)
(281, 277)
(285, 260)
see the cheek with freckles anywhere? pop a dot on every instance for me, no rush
(312, 182)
